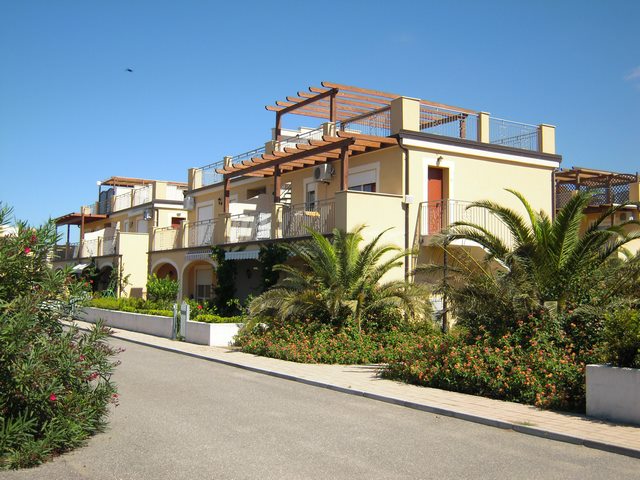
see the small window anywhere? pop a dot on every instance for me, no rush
(367, 187)
(254, 192)
(310, 200)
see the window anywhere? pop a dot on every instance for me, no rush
(310, 201)
(367, 187)
(364, 181)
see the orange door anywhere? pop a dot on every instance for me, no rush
(435, 205)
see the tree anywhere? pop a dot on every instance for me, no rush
(340, 280)
(549, 261)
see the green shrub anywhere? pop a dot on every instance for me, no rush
(528, 366)
(55, 385)
(212, 318)
(622, 337)
(163, 290)
(131, 305)
(320, 343)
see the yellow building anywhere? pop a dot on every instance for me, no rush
(115, 230)
(374, 158)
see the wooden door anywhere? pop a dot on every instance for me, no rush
(436, 201)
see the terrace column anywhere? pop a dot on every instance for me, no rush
(276, 220)
(344, 169)
(405, 114)
(329, 129)
(195, 178)
(547, 138)
(227, 195)
(483, 127)
(222, 230)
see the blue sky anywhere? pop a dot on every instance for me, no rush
(70, 114)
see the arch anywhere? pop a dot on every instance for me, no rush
(166, 270)
(198, 279)
(161, 261)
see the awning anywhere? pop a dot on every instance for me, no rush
(79, 268)
(199, 255)
(242, 255)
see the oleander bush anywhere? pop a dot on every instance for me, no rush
(55, 382)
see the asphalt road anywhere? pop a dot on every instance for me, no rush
(186, 418)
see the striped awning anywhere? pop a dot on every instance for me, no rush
(242, 255)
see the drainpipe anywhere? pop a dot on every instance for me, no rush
(405, 205)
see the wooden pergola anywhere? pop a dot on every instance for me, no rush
(335, 103)
(609, 188)
(329, 149)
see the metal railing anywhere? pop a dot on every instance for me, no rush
(249, 226)
(448, 122)
(132, 198)
(166, 238)
(437, 216)
(66, 252)
(513, 134)
(209, 174)
(300, 139)
(319, 216)
(200, 233)
(376, 123)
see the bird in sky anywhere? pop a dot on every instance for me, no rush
(130, 70)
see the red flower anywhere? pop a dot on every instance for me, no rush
(33, 239)
(199, 307)
(53, 397)
(27, 250)
(90, 281)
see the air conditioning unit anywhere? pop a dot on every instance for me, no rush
(323, 173)
(147, 214)
(189, 203)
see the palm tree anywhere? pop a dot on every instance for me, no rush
(339, 280)
(553, 258)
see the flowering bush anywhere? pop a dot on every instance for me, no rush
(321, 343)
(55, 386)
(528, 365)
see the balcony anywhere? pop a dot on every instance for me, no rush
(439, 215)
(291, 221)
(606, 188)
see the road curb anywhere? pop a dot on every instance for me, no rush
(491, 422)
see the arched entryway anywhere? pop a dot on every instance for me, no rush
(166, 270)
(199, 280)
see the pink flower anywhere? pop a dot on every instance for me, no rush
(53, 397)
(27, 250)
(199, 307)
(33, 239)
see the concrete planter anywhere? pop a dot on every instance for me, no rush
(613, 393)
(214, 334)
(135, 322)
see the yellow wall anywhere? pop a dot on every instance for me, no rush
(133, 248)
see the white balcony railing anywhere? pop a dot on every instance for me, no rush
(319, 216)
(437, 216)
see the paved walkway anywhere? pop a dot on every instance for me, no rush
(363, 380)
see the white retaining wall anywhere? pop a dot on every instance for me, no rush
(613, 393)
(215, 334)
(135, 322)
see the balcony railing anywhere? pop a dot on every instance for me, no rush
(166, 238)
(376, 123)
(132, 198)
(513, 134)
(200, 234)
(302, 138)
(610, 195)
(319, 216)
(437, 216)
(249, 226)
(448, 122)
(66, 252)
